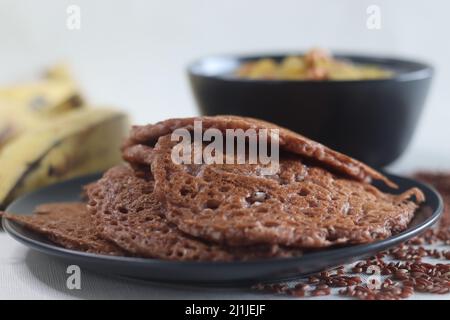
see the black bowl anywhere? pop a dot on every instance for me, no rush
(371, 120)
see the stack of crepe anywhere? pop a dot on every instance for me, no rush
(154, 207)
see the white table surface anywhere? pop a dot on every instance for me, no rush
(26, 274)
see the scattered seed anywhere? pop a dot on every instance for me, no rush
(320, 292)
(406, 275)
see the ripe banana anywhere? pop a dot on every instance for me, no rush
(25, 106)
(48, 134)
(83, 141)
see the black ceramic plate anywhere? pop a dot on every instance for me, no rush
(210, 272)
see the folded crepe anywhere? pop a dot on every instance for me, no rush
(68, 224)
(125, 211)
(318, 198)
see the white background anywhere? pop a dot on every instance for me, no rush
(133, 55)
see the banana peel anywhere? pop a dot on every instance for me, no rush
(49, 134)
(28, 105)
(82, 141)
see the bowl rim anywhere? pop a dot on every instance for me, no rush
(419, 69)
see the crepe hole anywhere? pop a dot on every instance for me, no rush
(346, 208)
(303, 192)
(257, 197)
(147, 189)
(98, 195)
(175, 213)
(212, 204)
(184, 191)
(123, 210)
(270, 224)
